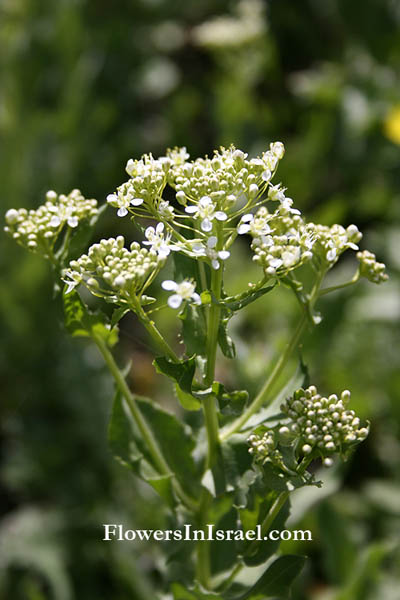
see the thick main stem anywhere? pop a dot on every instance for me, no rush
(146, 433)
(211, 422)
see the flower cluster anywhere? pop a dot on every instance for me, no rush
(371, 269)
(37, 230)
(322, 424)
(224, 178)
(263, 446)
(331, 242)
(281, 240)
(112, 271)
(316, 425)
(148, 177)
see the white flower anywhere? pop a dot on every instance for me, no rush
(205, 210)
(72, 279)
(208, 250)
(165, 210)
(256, 225)
(183, 291)
(123, 200)
(276, 192)
(157, 241)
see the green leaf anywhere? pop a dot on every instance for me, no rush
(194, 329)
(181, 372)
(173, 438)
(187, 401)
(262, 550)
(229, 403)
(277, 579)
(235, 303)
(80, 322)
(183, 593)
(117, 315)
(224, 340)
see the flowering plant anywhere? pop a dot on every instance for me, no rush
(249, 454)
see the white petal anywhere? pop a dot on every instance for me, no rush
(275, 262)
(160, 228)
(221, 216)
(137, 201)
(71, 286)
(224, 254)
(55, 221)
(199, 249)
(266, 176)
(331, 255)
(121, 212)
(215, 264)
(247, 218)
(73, 221)
(196, 298)
(244, 228)
(112, 198)
(206, 225)
(149, 232)
(169, 285)
(191, 209)
(205, 201)
(175, 301)
(212, 241)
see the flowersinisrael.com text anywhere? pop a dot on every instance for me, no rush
(113, 531)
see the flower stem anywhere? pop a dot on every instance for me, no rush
(154, 332)
(147, 435)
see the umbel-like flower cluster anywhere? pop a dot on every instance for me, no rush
(37, 230)
(371, 269)
(317, 425)
(281, 240)
(112, 271)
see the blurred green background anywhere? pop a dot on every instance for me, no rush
(87, 85)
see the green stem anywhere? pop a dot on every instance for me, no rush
(147, 435)
(265, 392)
(210, 413)
(203, 567)
(269, 519)
(340, 286)
(154, 332)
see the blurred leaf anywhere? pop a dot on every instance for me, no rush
(173, 438)
(277, 579)
(194, 329)
(80, 322)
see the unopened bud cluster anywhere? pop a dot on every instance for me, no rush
(322, 423)
(37, 230)
(112, 271)
(263, 447)
(371, 269)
